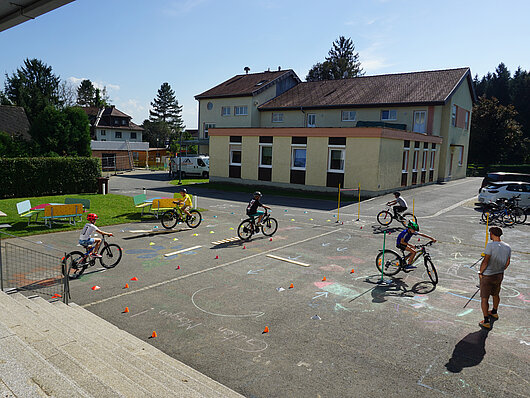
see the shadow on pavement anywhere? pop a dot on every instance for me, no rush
(378, 229)
(395, 287)
(468, 352)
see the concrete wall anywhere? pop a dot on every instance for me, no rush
(316, 161)
(281, 159)
(250, 157)
(219, 155)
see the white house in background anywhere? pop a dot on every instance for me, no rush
(110, 124)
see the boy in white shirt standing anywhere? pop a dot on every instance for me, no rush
(85, 237)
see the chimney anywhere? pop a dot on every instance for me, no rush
(268, 69)
(279, 68)
(247, 69)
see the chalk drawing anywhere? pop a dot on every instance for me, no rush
(468, 311)
(321, 285)
(325, 244)
(341, 249)
(456, 255)
(345, 239)
(255, 314)
(180, 319)
(458, 240)
(304, 364)
(293, 258)
(241, 342)
(254, 272)
(259, 360)
(340, 307)
(320, 294)
(524, 342)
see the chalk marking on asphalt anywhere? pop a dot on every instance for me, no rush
(252, 313)
(449, 208)
(207, 269)
(140, 313)
(501, 304)
(288, 260)
(181, 251)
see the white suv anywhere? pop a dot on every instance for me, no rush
(495, 191)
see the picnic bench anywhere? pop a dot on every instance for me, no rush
(141, 202)
(57, 212)
(162, 205)
(24, 210)
(84, 202)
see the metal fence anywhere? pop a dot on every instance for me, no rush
(25, 269)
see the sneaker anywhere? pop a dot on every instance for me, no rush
(494, 316)
(409, 267)
(256, 230)
(484, 324)
(95, 255)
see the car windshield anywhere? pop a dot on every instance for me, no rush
(207, 161)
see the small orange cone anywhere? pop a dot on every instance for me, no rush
(266, 330)
(244, 247)
(291, 286)
(217, 257)
(95, 287)
(352, 271)
(361, 227)
(126, 286)
(178, 267)
(126, 310)
(134, 278)
(153, 335)
(270, 239)
(323, 279)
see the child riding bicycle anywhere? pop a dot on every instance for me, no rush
(401, 205)
(403, 239)
(252, 207)
(185, 202)
(85, 236)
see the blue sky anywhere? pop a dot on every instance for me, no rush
(133, 46)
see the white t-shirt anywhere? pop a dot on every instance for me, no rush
(88, 230)
(401, 202)
(500, 252)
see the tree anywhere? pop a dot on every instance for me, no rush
(496, 137)
(64, 132)
(34, 87)
(166, 109)
(342, 62)
(86, 93)
(13, 147)
(156, 133)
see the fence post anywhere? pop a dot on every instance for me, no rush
(1, 267)
(359, 207)
(338, 208)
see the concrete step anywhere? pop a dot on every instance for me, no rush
(146, 375)
(174, 368)
(25, 373)
(124, 375)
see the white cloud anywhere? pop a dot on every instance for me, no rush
(134, 108)
(77, 80)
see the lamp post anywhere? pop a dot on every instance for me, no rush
(180, 157)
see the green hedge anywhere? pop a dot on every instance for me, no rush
(475, 170)
(21, 177)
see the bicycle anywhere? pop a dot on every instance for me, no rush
(395, 262)
(248, 227)
(498, 212)
(171, 217)
(77, 262)
(510, 205)
(385, 217)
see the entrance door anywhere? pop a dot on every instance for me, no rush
(419, 122)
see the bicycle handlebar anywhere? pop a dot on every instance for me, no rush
(425, 244)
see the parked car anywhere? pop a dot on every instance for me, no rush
(498, 190)
(501, 176)
(193, 165)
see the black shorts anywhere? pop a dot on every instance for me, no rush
(401, 247)
(399, 209)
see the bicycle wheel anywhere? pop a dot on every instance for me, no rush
(384, 217)
(169, 219)
(407, 217)
(392, 262)
(110, 255)
(486, 215)
(245, 229)
(194, 220)
(75, 264)
(269, 227)
(507, 219)
(431, 270)
(519, 215)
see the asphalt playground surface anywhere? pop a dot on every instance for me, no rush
(345, 336)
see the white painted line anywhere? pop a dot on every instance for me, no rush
(136, 231)
(449, 208)
(181, 251)
(207, 269)
(288, 260)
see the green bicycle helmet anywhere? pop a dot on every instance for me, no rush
(413, 225)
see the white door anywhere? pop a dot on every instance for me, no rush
(419, 122)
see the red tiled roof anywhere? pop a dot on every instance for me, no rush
(243, 85)
(429, 87)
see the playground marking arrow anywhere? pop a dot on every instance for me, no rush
(320, 294)
(251, 272)
(181, 251)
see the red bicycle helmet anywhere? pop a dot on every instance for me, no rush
(91, 217)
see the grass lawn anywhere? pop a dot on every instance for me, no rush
(189, 181)
(111, 209)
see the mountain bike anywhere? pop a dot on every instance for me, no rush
(395, 262)
(385, 217)
(77, 262)
(171, 217)
(498, 213)
(248, 227)
(511, 207)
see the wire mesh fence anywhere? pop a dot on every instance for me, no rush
(25, 269)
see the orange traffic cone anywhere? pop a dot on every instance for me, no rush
(126, 310)
(244, 247)
(126, 286)
(178, 267)
(323, 279)
(352, 271)
(291, 286)
(95, 287)
(153, 335)
(134, 278)
(217, 257)
(266, 330)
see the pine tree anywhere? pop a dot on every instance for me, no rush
(166, 109)
(86, 93)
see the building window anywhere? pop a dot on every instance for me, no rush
(116, 122)
(419, 122)
(225, 111)
(348, 116)
(424, 160)
(133, 136)
(415, 161)
(433, 146)
(277, 117)
(265, 155)
(209, 106)
(103, 132)
(311, 120)
(466, 121)
(123, 122)
(298, 157)
(460, 155)
(240, 110)
(433, 156)
(336, 160)
(117, 134)
(453, 115)
(235, 155)
(206, 127)
(389, 115)
(108, 160)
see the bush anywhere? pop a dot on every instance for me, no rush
(475, 170)
(23, 177)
